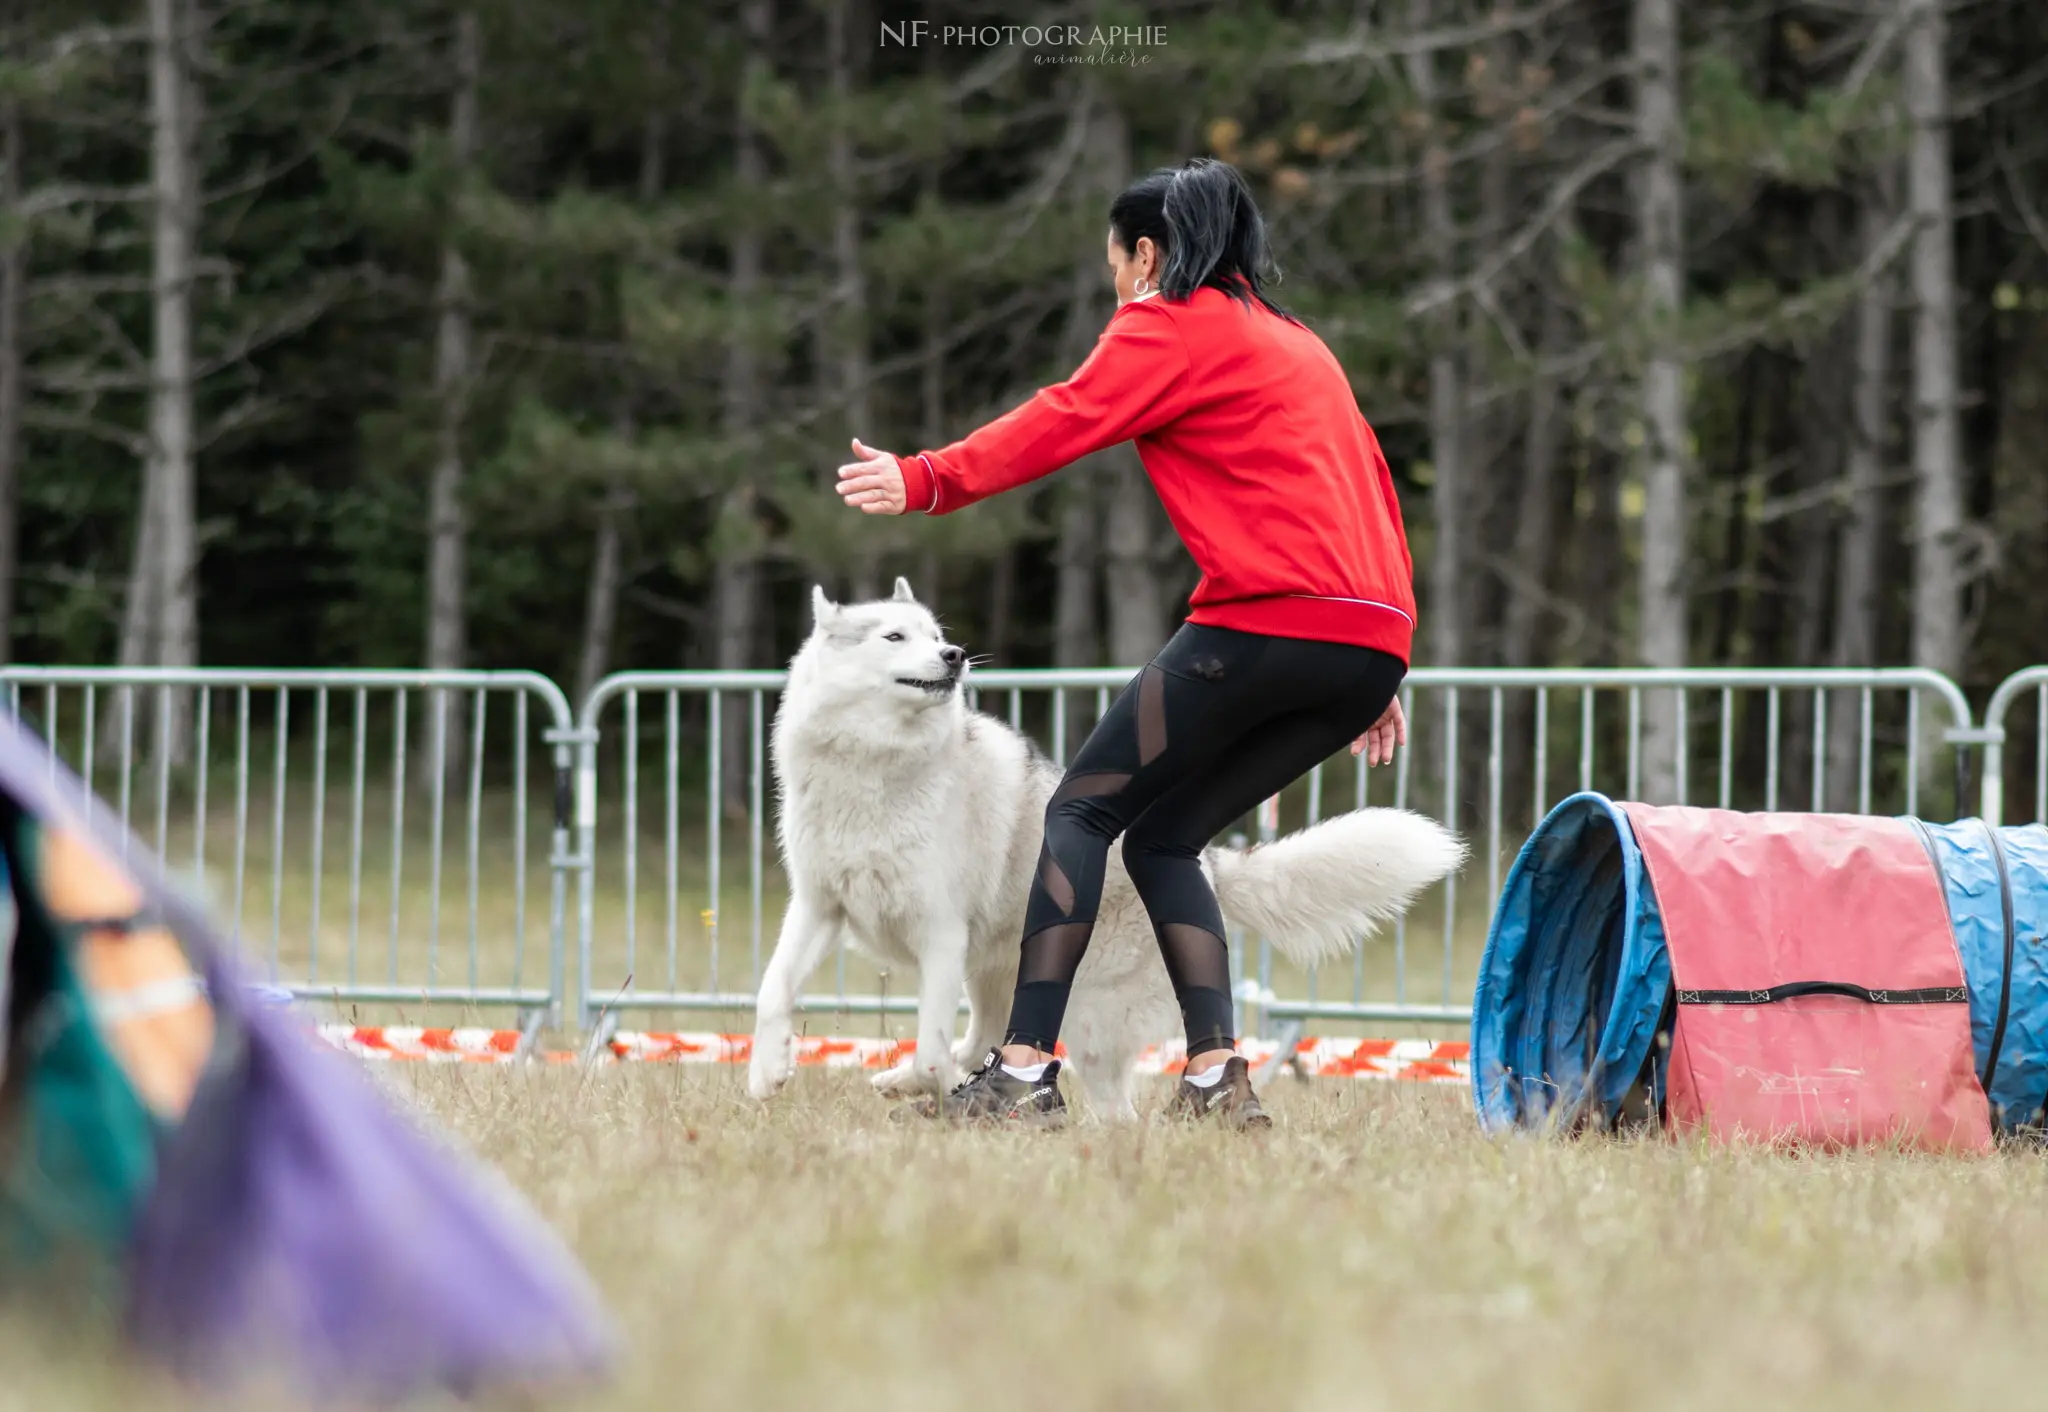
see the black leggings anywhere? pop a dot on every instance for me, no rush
(1219, 721)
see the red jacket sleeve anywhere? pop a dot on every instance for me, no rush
(1135, 381)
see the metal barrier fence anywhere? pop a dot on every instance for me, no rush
(1860, 740)
(179, 753)
(316, 810)
(2012, 692)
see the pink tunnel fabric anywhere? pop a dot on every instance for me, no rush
(1755, 903)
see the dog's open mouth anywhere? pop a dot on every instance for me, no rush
(937, 686)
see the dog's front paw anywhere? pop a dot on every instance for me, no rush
(772, 1062)
(908, 1081)
(969, 1050)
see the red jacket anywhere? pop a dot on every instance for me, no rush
(1253, 439)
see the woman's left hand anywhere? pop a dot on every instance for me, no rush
(874, 483)
(1380, 738)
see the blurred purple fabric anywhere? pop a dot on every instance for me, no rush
(300, 1227)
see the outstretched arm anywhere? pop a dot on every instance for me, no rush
(1133, 382)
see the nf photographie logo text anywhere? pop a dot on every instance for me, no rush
(912, 34)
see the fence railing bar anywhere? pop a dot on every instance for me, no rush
(204, 724)
(319, 832)
(165, 748)
(241, 809)
(359, 762)
(127, 764)
(478, 725)
(1820, 751)
(1635, 742)
(401, 716)
(282, 730)
(672, 747)
(1585, 738)
(1401, 802)
(437, 822)
(1451, 823)
(522, 746)
(1727, 747)
(1493, 792)
(1684, 746)
(717, 852)
(1913, 753)
(1865, 750)
(88, 756)
(1771, 755)
(757, 730)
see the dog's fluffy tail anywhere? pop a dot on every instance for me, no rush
(1315, 894)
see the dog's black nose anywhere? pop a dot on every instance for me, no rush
(953, 657)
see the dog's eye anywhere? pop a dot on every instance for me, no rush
(892, 637)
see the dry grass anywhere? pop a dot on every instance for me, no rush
(1374, 1252)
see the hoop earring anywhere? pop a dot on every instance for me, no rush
(1139, 287)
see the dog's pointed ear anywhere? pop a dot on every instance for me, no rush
(903, 593)
(822, 608)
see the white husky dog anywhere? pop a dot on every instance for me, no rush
(910, 827)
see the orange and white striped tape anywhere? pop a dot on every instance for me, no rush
(1404, 1060)
(428, 1045)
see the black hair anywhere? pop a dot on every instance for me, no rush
(1208, 229)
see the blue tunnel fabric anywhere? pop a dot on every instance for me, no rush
(1988, 878)
(1574, 976)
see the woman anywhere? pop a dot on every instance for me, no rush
(1299, 632)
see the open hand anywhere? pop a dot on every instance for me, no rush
(872, 484)
(1379, 740)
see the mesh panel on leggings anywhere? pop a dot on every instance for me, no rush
(1053, 954)
(1199, 964)
(1053, 878)
(1089, 786)
(1195, 957)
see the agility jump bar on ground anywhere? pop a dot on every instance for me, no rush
(1403, 1060)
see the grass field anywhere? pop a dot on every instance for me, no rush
(1374, 1252)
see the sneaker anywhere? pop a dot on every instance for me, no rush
(991, 1095)
(1229, 1100)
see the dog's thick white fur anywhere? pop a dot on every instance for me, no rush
(910, 827)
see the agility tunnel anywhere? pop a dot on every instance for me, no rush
(1825, 978)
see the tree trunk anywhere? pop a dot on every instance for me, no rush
(1661, 610)
(1534, 556)
(1535, 547)
(1134, 588)
(1820, 434)
(1450, 505)
(447, 519)
(849, 320)
(601, 600)
(1937, 452)
(1735, 534)
(1075, 637)
(139, 606)
(1860, 556)
(932, 374)
(171, 597)
(1490, 465)
(13, 279)
(1077, 640)
(601, 597)
(737, 619)
(1600, 569)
